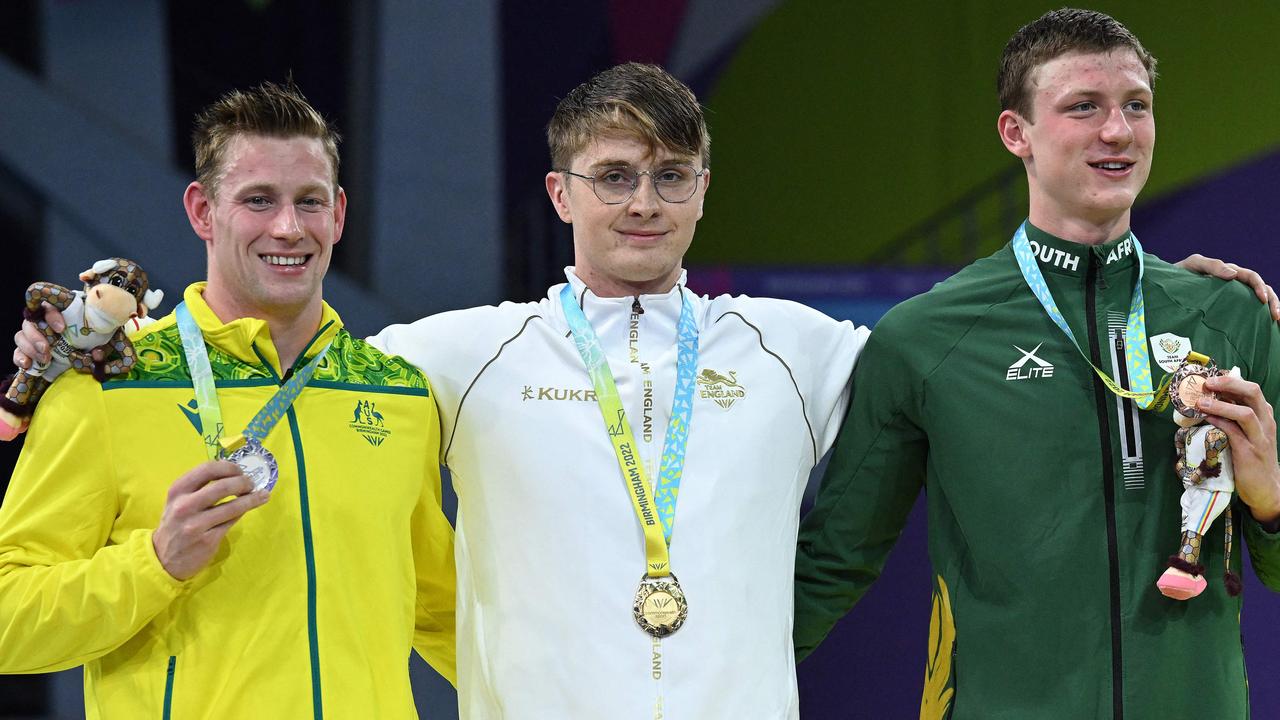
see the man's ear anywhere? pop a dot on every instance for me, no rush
(706, 185)
(557, 189)
(339, 214)
(1013, 133)
(199, 206)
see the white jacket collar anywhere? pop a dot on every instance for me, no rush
(611, 317)
(589, 301)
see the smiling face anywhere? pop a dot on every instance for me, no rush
(270, 228)
(1088, 145)
(633, 247)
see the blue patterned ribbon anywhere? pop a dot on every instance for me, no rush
(677, 437)
(207, 392)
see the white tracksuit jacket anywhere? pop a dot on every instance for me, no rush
(549, 550)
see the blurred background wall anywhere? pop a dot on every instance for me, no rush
(854, 156)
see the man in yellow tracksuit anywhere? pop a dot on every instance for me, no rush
(183, 590)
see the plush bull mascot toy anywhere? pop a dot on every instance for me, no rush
(1204, 466)
(115, 297)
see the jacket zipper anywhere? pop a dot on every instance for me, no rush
(1108, 489)
(167, 710)
(308, 547)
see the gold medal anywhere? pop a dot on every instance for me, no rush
(660, 607)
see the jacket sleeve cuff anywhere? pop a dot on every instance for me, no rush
(151, 570)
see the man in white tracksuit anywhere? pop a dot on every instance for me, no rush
(550, 551)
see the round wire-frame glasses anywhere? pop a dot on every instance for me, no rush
(615, 185)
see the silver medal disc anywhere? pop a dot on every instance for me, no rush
(257, 463)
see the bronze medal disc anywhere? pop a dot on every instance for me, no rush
(1187, 388)
(660, 607)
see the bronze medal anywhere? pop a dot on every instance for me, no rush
(660, 607)
(1187, 387)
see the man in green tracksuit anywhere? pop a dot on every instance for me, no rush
(1053, 503)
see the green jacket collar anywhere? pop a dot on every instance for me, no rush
(1063, 257)
(248, 339)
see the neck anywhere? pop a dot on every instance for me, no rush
(1077, 229)
(612, 287)
(291, 329)
(290, 338)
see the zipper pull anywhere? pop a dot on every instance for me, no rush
(1102, 277)
(635, 306)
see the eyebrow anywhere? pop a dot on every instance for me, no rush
(664, 163)
(270, 189)
(1091, 93)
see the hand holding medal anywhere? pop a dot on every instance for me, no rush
(201, 507)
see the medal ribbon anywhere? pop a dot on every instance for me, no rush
(1135, 331)
(659, 512)
(207, 392)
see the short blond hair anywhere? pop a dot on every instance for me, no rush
(632, 99)
(269, 110)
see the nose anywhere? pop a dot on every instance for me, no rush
(1116, 130)
(644, 201)
(285, 225)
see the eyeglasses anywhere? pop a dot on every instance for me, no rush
(614, 186)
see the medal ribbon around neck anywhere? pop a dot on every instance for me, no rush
(207, 392)
(1135, 330)
(663, 504)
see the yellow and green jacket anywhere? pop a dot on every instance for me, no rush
(314, 600)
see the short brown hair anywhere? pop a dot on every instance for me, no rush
(635, 99)
(269, 109)
(1057, 33)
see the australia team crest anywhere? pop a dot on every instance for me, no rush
(369, 423)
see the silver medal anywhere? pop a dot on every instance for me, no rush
(257, 463)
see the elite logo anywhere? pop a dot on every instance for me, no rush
(1021, 370)
(369, 423)
(722, 389)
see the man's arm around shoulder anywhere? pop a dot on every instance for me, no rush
(876, 472)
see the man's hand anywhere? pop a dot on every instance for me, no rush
(30, 344)
(193, 523)
(1230, 271)
(1243, 413)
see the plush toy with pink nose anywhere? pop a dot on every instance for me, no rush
(1204, 466)
(115, 296)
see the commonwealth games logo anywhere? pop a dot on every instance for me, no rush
(724, 390)
(369, 423)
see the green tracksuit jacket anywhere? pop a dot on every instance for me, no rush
(1052, 503)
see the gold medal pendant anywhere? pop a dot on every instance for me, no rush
(660, 607)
